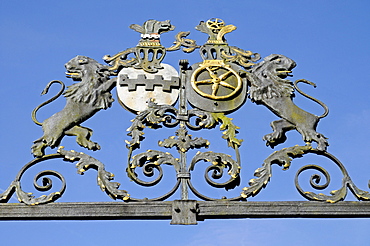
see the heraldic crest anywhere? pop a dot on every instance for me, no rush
(194, 97)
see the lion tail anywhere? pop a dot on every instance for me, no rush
(310, 97)
(45, 91)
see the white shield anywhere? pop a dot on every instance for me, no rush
(135, 87)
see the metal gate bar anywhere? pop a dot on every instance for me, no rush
(167, 210)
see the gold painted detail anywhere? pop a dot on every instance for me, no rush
(211, 41)
(120, 59)
(150, 43)
(229, 130)
(181, 40)
(215, 24)
(244, 58)
(216, 80)
(218, 29)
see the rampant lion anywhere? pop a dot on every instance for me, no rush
(84, 99)
(269, 87)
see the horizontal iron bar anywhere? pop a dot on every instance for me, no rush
(87, 211)
(290, 209)
(163, 210)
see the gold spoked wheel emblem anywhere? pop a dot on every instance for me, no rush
(215, 80)
(215, 24)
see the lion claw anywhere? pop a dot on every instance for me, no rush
(94, 147)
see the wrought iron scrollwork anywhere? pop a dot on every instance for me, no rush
(150, 161)
(335, 195)
(181, 40)
(183, 142)
(202, 120)
(85, 162)
(243, 58)
(220, 162)
(47, 184)
(284, 158)
(120, 60)
(264, 173)
(215, 87)
(152, 117)
(104, 178)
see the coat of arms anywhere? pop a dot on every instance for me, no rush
(194, 97)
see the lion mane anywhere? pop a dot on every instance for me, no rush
(83, 100)
(269, 87)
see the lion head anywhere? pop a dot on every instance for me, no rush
(268, 78)
(81, 67)
(92, 75)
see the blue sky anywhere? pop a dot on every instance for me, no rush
(329, 40)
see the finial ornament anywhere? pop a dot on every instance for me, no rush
(216, 30)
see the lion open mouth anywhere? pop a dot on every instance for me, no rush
(74, 75)
(283, 73)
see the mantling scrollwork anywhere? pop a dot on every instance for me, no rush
(181, 40)
(243, 58)
(120, 60)
(149, 53)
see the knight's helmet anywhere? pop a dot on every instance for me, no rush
(149, 51)
(216, 44)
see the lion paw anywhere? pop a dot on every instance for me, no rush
(269, 139)
(274, 138)
(322, 143)
(321, 140)
(38, 149)
(94, 146)
(89, 145)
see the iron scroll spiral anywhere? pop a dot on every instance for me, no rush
(47, 184)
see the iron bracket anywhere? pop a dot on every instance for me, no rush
(184, 212)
